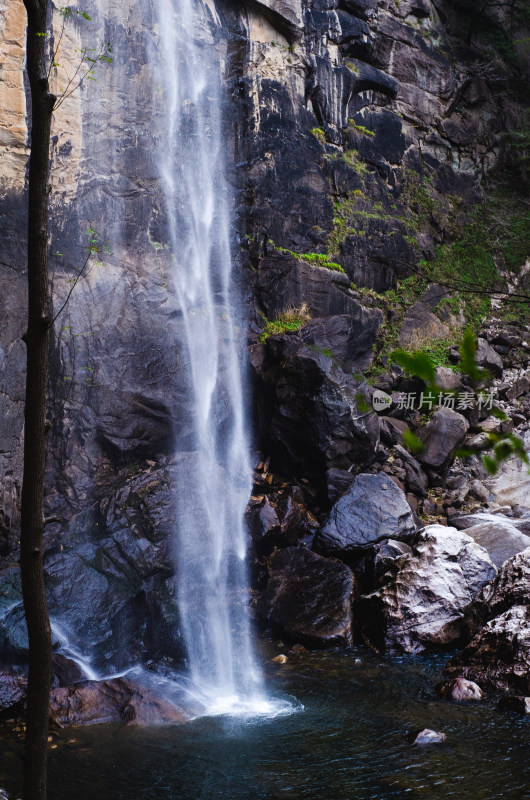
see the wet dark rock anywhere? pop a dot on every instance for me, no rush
(12, 689)
(110, 577)
(510, 587)
(281, 522)
(428, 736)
(423, 603)
(392, 430)
(517, 703)
(339, 481)
(415, 477)
(444, 432)
(499, 655)
(386, 554)
(65, 671)
(115, 700)
(308, 598)
(297, 521)
(14, 633)
(263, 525)
(487, 357)
(286, 282)
(312, 416)
(460, 690)
(347, 338)
(141, 428)
(372, 509)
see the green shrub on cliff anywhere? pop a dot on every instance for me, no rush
(290, 320)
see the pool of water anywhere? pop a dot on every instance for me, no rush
(348, 742)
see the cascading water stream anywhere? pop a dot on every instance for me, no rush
(213, 480)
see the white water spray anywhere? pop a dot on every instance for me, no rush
(213, 480)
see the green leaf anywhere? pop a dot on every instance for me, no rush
(468, 351)
(417, 364)
(490, 462)
(362, 404)
(496, 412)
(465, 452)
(411, 441)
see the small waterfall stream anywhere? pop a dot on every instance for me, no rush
(213, 480)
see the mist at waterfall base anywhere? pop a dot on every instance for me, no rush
(192, 207)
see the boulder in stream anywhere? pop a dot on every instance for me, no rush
(460, 690)
(114, 700)
(308, 598)
(428, 736)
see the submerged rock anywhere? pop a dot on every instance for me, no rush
(423, 603)
(428, 736)
(459, 690)
(308, 598)
(372, 509)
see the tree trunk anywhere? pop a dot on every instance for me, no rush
(37, 340)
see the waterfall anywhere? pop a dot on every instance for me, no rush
(213, 474)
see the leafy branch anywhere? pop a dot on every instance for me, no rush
(88, 61)
(93, 248)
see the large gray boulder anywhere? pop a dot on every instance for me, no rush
(444, 432)
(372, 509)
(466, 521)
(424, 602)
(488, 358)
(308, 598)
(501, 539)
(511, 484)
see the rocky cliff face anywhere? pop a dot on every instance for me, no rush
(358, 133)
